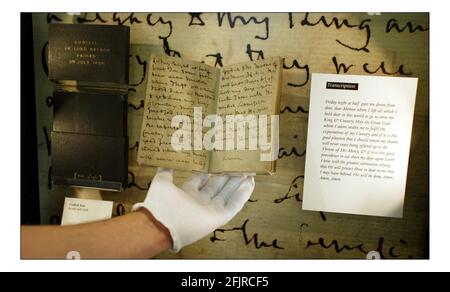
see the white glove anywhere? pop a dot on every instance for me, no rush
(203, 204)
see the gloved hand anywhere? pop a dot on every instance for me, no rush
(201, 205)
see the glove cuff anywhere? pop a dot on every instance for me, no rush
(176, 244)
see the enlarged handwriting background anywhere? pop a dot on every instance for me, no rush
(272, 224)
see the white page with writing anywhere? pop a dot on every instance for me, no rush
(78, 211)
(359, 134)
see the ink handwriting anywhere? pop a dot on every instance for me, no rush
(392, 24)
(340, 66)
(295, 191)
(51, 17)
(338, 247)
(299, 109)
(259, 53)
(196, 19)
(168, 50)
(232, 20)
(291, 20)
(133, 183)
(218, 61)
(381, 67)
(362, 26)
(247, 240)
(137, 107)
(285, 153)
(135, 146)
(142, 63)
(84, 18)
(366, 67)
(162, 21)
(293, 188)
(131, 18)
(296, 65)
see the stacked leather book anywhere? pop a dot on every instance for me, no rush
(88, 65)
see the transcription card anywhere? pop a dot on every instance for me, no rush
(359, 134)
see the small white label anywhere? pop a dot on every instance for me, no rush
(77, 211)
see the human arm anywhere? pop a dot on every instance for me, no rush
(170, 217)
(134, 235)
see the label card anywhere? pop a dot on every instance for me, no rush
(359, 134)
(77, 211)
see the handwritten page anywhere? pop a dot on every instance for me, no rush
(251, 88)
(359, 133)
(174, 87)
(195, 90)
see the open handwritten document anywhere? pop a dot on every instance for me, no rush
(196, 116)
(359, 134)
